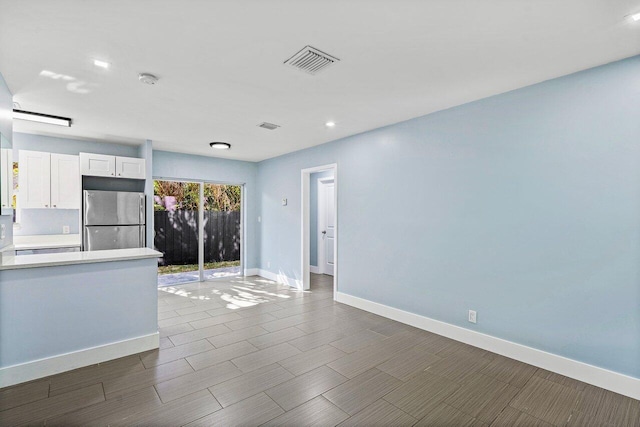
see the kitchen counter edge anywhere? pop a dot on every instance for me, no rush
(13, 262)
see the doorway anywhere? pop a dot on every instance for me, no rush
(325, 232)
(320, 236)
(198, 229)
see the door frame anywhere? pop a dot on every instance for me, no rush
(322, 206)
(305, 220)
(243, 217)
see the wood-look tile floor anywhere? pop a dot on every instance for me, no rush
(247, 351)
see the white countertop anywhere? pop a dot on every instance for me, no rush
(68, 258)
(46, 241)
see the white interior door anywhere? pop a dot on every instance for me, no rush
(327, 227)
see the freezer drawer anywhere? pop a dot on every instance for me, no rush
(113, 207)
(97, 238)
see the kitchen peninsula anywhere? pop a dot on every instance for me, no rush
(67, 310)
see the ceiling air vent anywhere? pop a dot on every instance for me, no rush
(311, 60)
(269, 126)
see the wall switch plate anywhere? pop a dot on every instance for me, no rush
(284, 202)
(473, 316)
(65, 229)
(268, 264)
(3, 231)
(259, 219)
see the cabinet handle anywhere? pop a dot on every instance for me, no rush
(119, 174)
(112, 173)
(55, 206)
(46, 206)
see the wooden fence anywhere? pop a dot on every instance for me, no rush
(176, 236)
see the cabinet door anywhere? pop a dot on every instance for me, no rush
(65, 181)
(34, 179)
(97, 164)
(6, 180)
(129, 167)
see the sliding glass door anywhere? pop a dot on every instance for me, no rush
(198, 229)
(176, 224)
(222, 231)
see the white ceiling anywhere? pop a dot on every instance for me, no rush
(221, 71)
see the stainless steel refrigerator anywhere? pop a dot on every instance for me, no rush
(112, 220)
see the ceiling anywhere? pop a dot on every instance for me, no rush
(221, 71)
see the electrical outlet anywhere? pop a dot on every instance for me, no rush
(268, 264)
(65, 229)
(284, 202)
(3, 231)
(473, 316)
(259, 219)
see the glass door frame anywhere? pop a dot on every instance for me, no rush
(201, 253)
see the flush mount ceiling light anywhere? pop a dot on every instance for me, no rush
(41, 118)
(220, 145)
(147, 78)
(101, 64)
(330, 124)
(636, 17)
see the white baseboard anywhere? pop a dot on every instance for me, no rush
(251, 271)
(41, 368)
(267, 275)
(616, 382)
(280, 278)
(314, 269)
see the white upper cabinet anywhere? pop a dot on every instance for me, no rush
(6, 180)
(65, 181)
(129, 167)
(111, 166)
(97, 164)
(48, 180)
(34, 179)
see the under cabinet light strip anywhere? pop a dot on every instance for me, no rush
(41, 118)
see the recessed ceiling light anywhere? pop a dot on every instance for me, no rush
(220, 145)
(101, 64)
(636, 16)
(42, 118)
(330, 124)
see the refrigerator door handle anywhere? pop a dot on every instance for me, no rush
(142, 236)
(142, 215)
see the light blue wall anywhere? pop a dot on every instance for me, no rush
(6, 110)
(50, 311)
(146, 152)
(48, 221)
(6, 129)
(49, 144)
(524, 206)
(313, 214)
(169, 165)
(7, 220)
